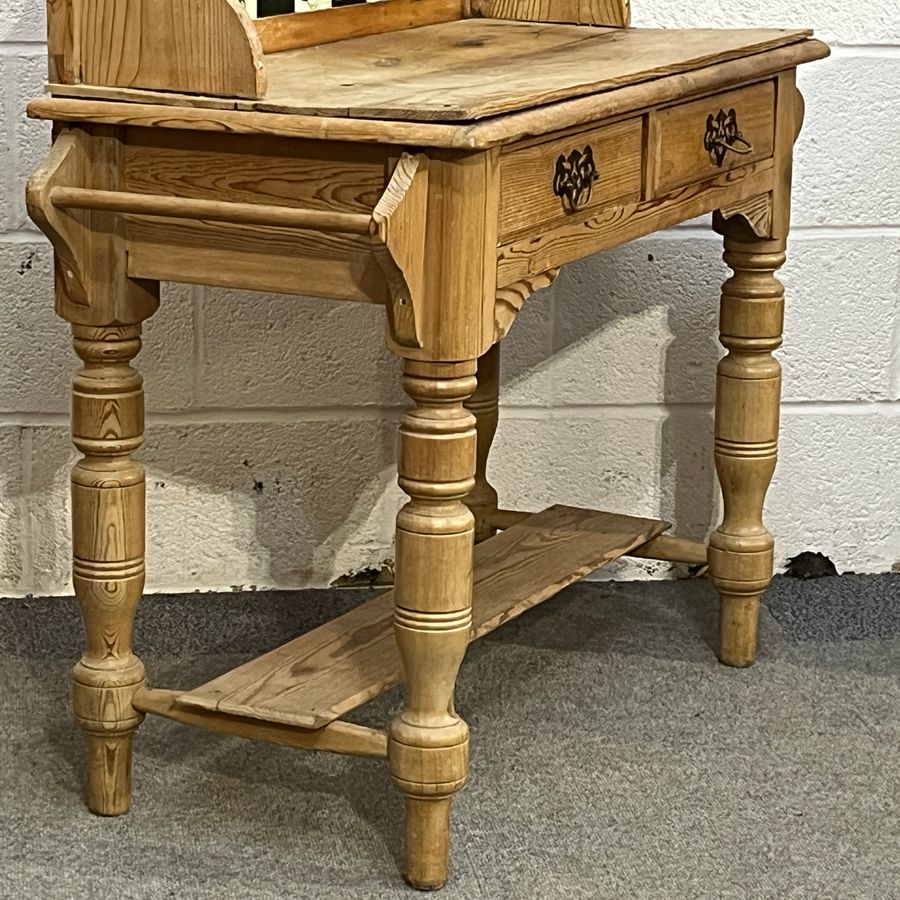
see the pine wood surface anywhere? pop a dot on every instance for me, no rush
(666, 547)
(306, 29)
(336, 266)
(319, 175)
(748, 392)
(205, 46)
(484, 406)
(450, 70)
(582, 12)
(680, 158)
(130, 203)
(399, 220)
(428, 741)
(522, 258)
(337, 737)
(168, 111)
(511, 298)
(527, 200)
(108, 552)
(475, 68)
(419, 169)
(319, 676)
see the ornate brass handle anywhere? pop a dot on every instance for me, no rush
(722, 134)
(573, 180)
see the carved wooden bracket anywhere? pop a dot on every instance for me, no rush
(63, 166)
(511, 299)
(755, 217)
(756, 213)
(398, 239)
(92, 285)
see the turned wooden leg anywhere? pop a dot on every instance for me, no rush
(108, 549)
(428, 746)
(747, 413)
(483, 404)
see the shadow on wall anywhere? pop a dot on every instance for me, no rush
(651, 336)
(280, 473)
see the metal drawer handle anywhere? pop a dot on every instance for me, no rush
(573, 180)
(722, 135)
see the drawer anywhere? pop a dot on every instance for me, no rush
(704, 138)
(555, 181)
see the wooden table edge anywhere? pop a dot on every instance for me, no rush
(473, 136)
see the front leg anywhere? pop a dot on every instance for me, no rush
(105, 308)
(747, 415)
(108, 551)
(429, 742)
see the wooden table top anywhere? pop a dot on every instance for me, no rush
(474, 68)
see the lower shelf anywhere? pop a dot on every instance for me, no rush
(319, 676)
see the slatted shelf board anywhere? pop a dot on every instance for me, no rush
(317, 677)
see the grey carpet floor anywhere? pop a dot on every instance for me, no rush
(612, 757)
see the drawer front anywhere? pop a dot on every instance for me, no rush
(569, 177)
(704, 138)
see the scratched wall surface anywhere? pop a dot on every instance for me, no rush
(271, 421)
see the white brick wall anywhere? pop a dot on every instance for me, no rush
(271, 424)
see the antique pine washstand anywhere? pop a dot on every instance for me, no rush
(442, 158)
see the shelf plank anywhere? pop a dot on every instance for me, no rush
(317, 677)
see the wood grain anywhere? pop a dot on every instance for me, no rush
(260, 192)
(755, 211)
(89, 246)
(483, 67)
(62, 61)
(677, 135)
(160, 206)
(484, 405)
(338, 737)
(159, 110)
(511, 298)
(63, 165)
(748, 392)
(399, 221)
(459, 275)
(108, 553)
(322, 175)
(321, 675)
(527, 198)
(666, 547)
(617, 224)
(337, 266)
(306, 29)
(428, 742)
(579, 12)
(204, 47)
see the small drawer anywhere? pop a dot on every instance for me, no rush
(699, 140)
(552, 182)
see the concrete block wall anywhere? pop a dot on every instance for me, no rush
(272, 420)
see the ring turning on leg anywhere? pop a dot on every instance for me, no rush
(108, 548)
(428, 746)
(747, 414)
